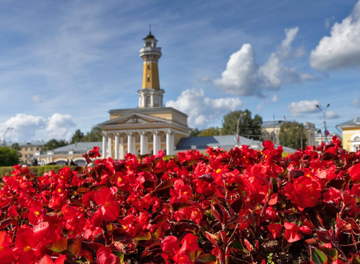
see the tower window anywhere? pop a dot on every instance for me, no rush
(148, 78)
(148, 66)
(147, 101)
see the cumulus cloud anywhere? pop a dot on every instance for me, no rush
(205, 79)
(30, 128)
(244, 77)
(201, 109)
(303, 107)
(331, 115)
(241, 76)
(341, 49)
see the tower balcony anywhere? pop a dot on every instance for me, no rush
(150, 51)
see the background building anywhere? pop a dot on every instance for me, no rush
(351, 134)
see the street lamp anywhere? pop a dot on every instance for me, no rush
(8, 129)
(324, 115)
(238, 130)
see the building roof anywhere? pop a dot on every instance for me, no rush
(80, 147)
(26, 144)
(350, 123)
(150, 36)
(226, 142)
(272, 123)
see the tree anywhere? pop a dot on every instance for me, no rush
(292, 135)
(16, 146)
(94, 135)
(53, 144)
(77, 137)
(211, 131)
(8, 156)
(194, 132)
(248, 127)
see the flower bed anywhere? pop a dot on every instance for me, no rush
(242, 206)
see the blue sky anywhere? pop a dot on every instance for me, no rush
(65, 64)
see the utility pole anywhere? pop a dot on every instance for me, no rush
(324, 115)
(238, 130)
(8, 129)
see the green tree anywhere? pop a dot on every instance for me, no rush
(248, 127)
(211, 131)
(16, 146)
(53, 144)
(77, 137)
(8, 156)
(94, 135)
(292, 135)
(194, 132)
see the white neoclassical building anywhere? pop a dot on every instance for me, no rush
(150, 127)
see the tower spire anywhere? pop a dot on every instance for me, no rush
(150, 29)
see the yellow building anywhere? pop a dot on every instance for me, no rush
(150, 127)
(28, 150)
(351, 134)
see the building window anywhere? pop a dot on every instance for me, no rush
(148, 66)
(148, 78)
(25, 149)
(37, 149)
(25, 155)
(147, 101)
(31, 149)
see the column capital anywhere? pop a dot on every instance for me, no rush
(129, 133)
(103, 133)
(169, 131)
(156, 132)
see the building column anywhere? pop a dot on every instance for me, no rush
(130, 142)
(152, 100)
(116, 146)
(109, 150)
(169, 142)
(122, 152)
(103, 148)
(143, 143)
(156, 142)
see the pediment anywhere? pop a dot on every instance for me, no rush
(134, 119)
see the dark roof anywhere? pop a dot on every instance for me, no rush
(226, 142)
(273, 123)
(150, 36)
(352, 122)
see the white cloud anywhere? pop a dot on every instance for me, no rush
(244, 77)
(241, 75)
(30, 128)
(205, 79)
(203, 110)
(331, 115)
(284, 50)
(328, 21)
(274, 98)
(303, 107)
(341, 49)
(355, 102)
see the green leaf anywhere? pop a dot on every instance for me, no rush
(157, 232)
(164, 185)
(355, 260)
(317, 256)
(332, 253)
(144, 236)
(59, 245)
(237, 245)
(206, 258)
(120, 255)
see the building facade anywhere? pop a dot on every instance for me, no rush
(351, 134)
(150, 127)
(271, 131)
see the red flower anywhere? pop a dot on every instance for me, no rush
(292, 232)
(305, 191)
(6, 255)
(110, 208)
(105, 256)
(275, 230)
(169, 246)
(354, 172)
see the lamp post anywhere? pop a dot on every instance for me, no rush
(238, 130)
(8, 129)
(324, 115)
